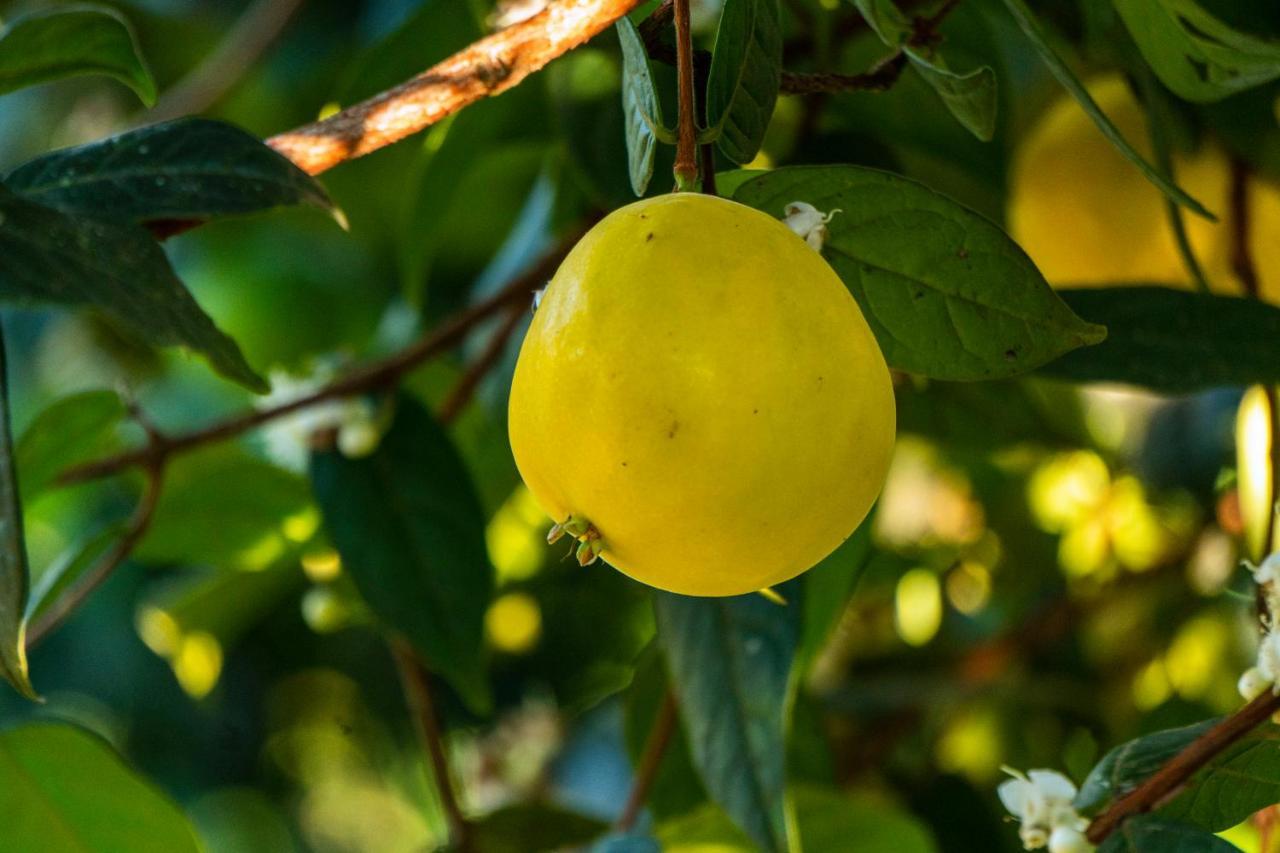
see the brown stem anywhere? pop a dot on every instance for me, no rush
(376, 375)
(686, 166)
(880, 78)
(488, 67)
(243, 44)
(138, 524)
(664, 727)
(1241, 252)
(463, 391)
(416, 685)
(1169, 779)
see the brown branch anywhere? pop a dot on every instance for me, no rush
(73, 598)
(686, 166)
(655, 747)
(1166, 782)
(243, 45)
(488, 67)
(880, 78)
(416, 684)
(1241, 252)
(465, 389)
(371, 377)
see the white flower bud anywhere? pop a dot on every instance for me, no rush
(358, 438)
(1033, 837)
(1252, 684)
(1269, 657)
(1068, 839)
(808, 222)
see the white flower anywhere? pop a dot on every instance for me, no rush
(1041, 801)
(288, 438)
(808, 222)
(1252, 684)
(1268, 572)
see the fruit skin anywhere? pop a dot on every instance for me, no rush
(698, 384)
(1088, 217)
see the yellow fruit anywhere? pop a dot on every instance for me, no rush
(1087, 216)
(700, 387)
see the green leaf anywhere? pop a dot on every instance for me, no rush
(1193, 53)
(746, 70)
(1241, 780)
(48, 257)
(886, 20)
(70, 40)
(14, 575)
(730, 663)
(74, 429)
(69, 567)
(970, 97)
(186, 169)
(1173, 340)
(533, 826)
(222, 507)
(676, 789)
(827, 588)
(641, 108)
(1125, 767)
(410, 530)
(946, 292)
(1148, 834)
(1031, 27)
(626, 844)
(63, 790)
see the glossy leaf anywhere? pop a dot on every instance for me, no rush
(14, 575)
(1040, 40)
(730, 662)
(69, 567)
(827, 589)
(1193, 53)
(641, 108)
(1147, 834)
(676, 789)
(50, 258)
(410, 530)
(1241, 780)
(68, 40)
(63, 790)
(1125, 767)
(746, 69)
(533, 826)
(631, 843)
(74, 429)
(946, 292)
(186, 169)
(1173, 340)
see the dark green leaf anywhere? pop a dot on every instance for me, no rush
(1193, 53)
(626, 844)
(186, 169)
(14, 576)
(63, 790)
(410, 530)
(676, 789)
(1031, 27)
(48, 257)
(827, 588)
(730, 662)
(69, 567)
(1147, 834)
(887, 20)
(970, 97)
(70, 40)
(640, 105)
(1173, 340)
(224, 508)
(1241, 780)
(946, 292)
(746, 68)
(533, 828)
(1125, 767)
(73, 429)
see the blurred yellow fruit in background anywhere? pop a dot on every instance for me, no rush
(1087, 216)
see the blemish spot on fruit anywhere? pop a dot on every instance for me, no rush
(649, 237)
(673, 429)
(624, 464)
(755, 411)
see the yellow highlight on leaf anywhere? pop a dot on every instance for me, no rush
(159, 631)
(918, 606)
(301, 526)
(198, 664)
(513, 623)
(322, 566)
(1255, 422)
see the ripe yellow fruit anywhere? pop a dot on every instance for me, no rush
(1087, 216)
(700, 387)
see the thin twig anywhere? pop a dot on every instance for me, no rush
(371, 377)
(686, 166)
(416, 684)
(241, 47)
(74, 597)
(880, 78)
(1166, 782)
(465, 389)
(488, 67)
(1241, 227)
(655, 747)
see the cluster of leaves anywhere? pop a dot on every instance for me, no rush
(949, 295)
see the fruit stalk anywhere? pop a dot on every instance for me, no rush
(686, 166)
